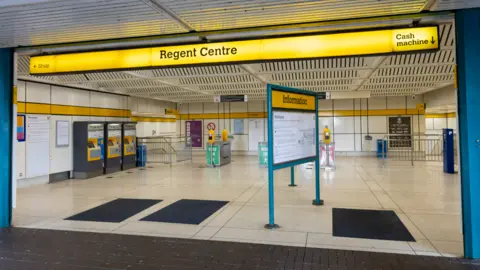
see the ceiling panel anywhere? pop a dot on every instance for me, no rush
(72, 21)
(59, 21)
(454, 4)
(227, 14)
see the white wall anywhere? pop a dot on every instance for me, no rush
(143, 106)
(349, 131)
(435, 123)
(152, 111)
(145, 129)
(60, 158)
(441, 98)
(254, 128)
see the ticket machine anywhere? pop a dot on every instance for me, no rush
(87, 149)
(129, 147)
(113, 147)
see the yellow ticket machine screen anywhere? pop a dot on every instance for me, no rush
(94, 150)
(129, 145)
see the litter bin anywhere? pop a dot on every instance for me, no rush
(141, 155)
(381, 144)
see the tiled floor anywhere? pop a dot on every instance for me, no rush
(426, 200)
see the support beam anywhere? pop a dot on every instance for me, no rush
(157, 6)
(376, 65)
(250, 69)
(169, 83)
(6, 116)
(468, 95)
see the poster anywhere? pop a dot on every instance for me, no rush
(193, 129)
(293, 136)
(238, 125)
(37, 145)
(400, 131)
(39, 129)
(63, 133)
(21, 128)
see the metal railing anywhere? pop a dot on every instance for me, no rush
(167, 149)
(415, 147)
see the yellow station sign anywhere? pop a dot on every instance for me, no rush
(300, 47)
(288, 100)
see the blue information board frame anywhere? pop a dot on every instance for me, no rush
(273, 167)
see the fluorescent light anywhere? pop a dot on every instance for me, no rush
(111, 45)
(297, 30)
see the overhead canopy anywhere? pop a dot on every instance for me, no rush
(299, 47)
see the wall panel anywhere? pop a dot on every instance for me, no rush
(396, 103)
(37, 93)
(61, 158)
(377, 103)
(344, 125)
(344, 142)
(21, 85)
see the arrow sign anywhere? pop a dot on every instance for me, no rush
(433, 40)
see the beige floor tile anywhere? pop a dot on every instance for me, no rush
(427, 253)
(206, 233)
(438, 227)
(328, 239)
(422, 246)
(449, 249)
(223, 217)
(159, 229)
(262, 235)
(81, 225)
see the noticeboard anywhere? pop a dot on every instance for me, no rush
(293, 136)
(293, 126)
(400, 131)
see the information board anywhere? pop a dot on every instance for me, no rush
(401, 128)
(293, 136)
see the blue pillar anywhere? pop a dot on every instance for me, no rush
(468, 70)
(6, 89)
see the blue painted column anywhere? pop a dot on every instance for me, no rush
(6, 89)
(468, 74)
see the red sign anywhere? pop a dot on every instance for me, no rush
(211, 126)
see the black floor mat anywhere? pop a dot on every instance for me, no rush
(115, 211)
(369, 224)
(186, 211)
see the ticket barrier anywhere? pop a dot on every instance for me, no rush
(87, 149)
(327, 155)
(129, 148)
(113, 146)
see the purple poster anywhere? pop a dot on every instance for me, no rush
(193, 129)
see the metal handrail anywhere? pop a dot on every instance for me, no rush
(418, 147)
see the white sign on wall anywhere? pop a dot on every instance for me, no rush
(293, 136)
(63, 133)
(38, 145)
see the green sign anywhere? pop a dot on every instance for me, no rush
(215, 155)
(263, 154)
